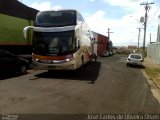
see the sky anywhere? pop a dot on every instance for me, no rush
(122, 17)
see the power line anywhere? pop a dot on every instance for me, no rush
(154, 15)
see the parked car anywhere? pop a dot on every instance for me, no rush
(106, 54)
(11, 63)
(135, 59)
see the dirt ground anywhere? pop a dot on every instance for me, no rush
(106, 86)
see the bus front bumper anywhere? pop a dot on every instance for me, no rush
(70, 65)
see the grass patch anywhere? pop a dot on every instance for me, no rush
(11, 29)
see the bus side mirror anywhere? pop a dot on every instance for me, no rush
(25, 31)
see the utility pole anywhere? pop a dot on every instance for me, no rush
(139, 36)
(109, 42)
(109, 34)
(147, 8)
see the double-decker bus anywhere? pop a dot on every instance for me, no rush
(61, 40)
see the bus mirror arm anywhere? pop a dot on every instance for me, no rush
(25, 31)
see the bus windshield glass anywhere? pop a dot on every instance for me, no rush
(56, 18)
(53, 42)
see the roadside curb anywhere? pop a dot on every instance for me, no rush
(155, 89)
(152, 79)
(156, 83)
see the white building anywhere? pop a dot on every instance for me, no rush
(153, 50)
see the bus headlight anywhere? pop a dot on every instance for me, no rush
(35, 59)
(69, 58)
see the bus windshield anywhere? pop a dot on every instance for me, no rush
(53, 42)
(56, 18)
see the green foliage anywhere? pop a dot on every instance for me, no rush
(11, 30)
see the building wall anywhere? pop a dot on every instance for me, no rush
(101, 43)
(95, 42)
(153, 49)
(14, 16)
(153, 52)
(17, 9)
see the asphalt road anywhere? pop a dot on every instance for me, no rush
(107, 86)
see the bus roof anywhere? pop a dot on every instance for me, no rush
(56, 18)
(59, 10)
